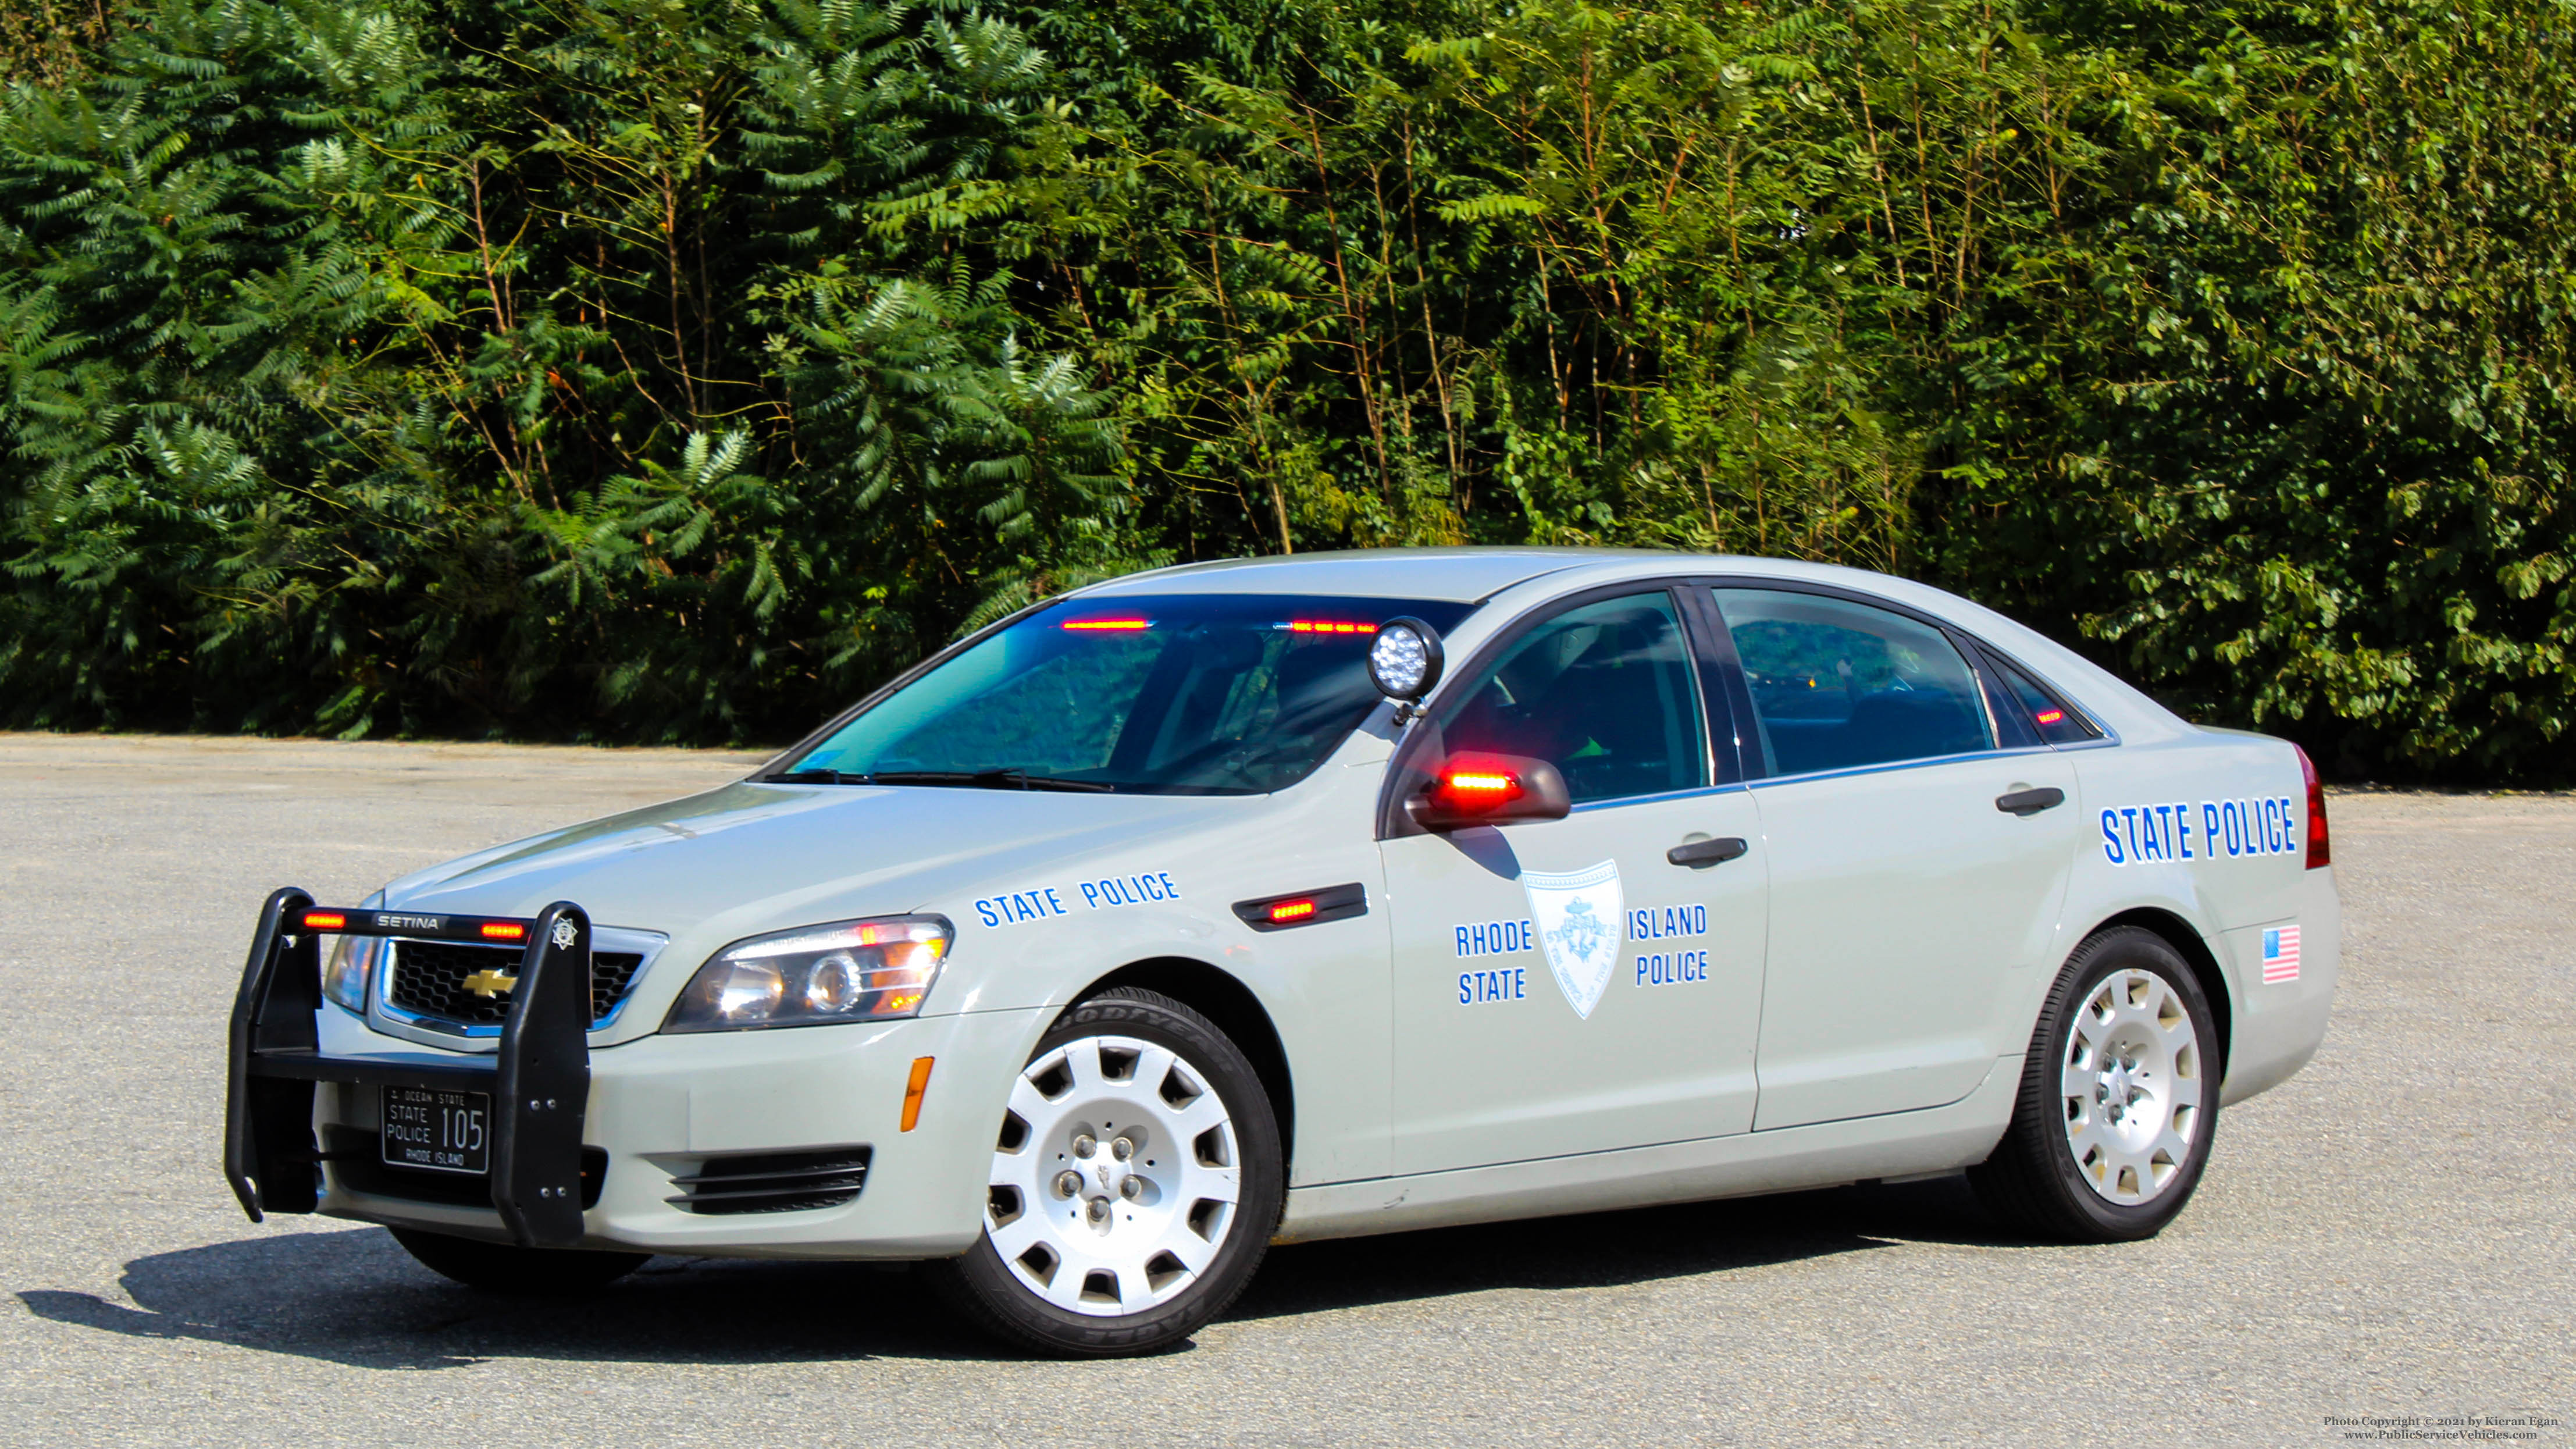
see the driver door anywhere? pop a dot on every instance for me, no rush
(1560, 985)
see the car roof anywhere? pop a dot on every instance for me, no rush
(1462, 575)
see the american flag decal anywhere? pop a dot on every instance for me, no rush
(2280, 954)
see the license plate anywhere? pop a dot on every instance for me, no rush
(440, 1131)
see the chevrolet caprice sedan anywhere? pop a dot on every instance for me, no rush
(1265, 901)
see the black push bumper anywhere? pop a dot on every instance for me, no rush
(539, 1081)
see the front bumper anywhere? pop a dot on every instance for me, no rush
(779, 1143)
(667, 1108)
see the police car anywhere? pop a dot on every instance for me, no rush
(1265, 901)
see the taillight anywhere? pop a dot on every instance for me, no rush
(2320, 845)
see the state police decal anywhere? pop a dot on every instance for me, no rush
(1581, 917)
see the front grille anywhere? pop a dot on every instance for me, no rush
(428, 979)
(357, 1163)
(773, 1182)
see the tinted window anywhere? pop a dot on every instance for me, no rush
(1604, 692)
(1837, 684)
(2049, 717)
(1187, 694)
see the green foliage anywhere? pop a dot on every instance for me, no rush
(636, 370)
(673, 369)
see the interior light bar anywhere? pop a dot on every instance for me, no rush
(1122, 626)
(1328, 626)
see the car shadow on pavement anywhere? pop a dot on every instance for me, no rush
(1609, 1249)
(352, 1296)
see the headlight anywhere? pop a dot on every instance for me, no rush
(814, 975)
(352, 964)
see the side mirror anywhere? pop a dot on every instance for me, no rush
(1481, 789)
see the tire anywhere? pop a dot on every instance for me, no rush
(2119, 1098)
(1137, 1178)
(520, 1272)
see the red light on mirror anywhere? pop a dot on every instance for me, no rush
(1469, 783)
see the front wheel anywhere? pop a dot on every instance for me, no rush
(2119, 1098)
(1136, 1180)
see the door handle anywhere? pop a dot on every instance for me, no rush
(1707, 852)
(2026, 803)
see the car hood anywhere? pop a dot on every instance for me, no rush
(752, 857)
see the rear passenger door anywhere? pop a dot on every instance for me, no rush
(1905, 904)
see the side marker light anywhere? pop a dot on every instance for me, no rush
(912, 1091)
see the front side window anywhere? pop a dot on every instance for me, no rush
(1603, 692)
(1186, 694)
(1837, 684)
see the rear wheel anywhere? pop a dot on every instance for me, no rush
(524, 1272)
(1136, 1180)
(2119, 1098)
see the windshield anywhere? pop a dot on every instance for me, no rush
(1188, 694)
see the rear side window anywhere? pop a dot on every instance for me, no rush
(1838, 685)
(2050, 718)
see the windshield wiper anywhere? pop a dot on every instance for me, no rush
(1006, 779)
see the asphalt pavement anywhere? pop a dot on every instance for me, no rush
(2386, 1237)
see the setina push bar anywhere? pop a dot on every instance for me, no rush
(539, 1081)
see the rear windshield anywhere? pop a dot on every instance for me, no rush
(1188, 694)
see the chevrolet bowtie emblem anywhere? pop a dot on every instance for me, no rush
(489, 983)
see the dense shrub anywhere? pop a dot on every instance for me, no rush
(670, 369)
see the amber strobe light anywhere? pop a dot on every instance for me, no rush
(912, 1090)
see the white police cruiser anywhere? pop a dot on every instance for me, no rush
(1265, 901)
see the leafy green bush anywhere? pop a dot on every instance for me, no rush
(642, 370)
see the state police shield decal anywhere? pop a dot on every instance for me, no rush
(1580, 917)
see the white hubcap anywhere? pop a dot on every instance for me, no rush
(2132, 1086)
(1115, 1180)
